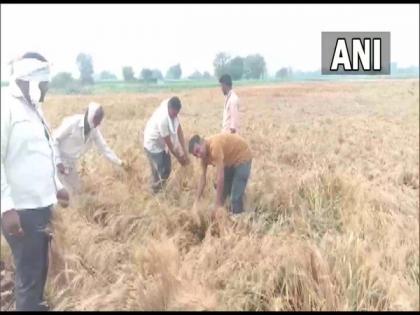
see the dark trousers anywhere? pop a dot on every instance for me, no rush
(236, 179)
(30, 255)
(160, 164)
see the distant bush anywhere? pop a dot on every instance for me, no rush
(62, 80)
(196, 75)
(107, 76)
(207, 75)
(282, 73)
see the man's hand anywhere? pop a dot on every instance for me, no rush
(61, 168)
(63, 197)
(183, 160)
(11, 223)
(217, 214)
(187, 159)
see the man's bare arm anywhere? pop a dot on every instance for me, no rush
(182, 140)
(202, 182)
(171, 147)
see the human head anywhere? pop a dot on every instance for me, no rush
(174, 106)
(197, 147)
(226, 83)
(31, 73)
(95, 114)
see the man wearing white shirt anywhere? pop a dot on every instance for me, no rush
(29, 183)
(73, 138)
(230, 121)
(163, 134)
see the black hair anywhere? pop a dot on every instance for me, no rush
(101, 111)
(34, 55)
(226, 79)
(193, 141)
(175, 103)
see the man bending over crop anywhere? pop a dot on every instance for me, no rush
(74, 137)
(232, 157)
(163, 134)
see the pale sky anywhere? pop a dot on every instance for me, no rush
(160, 35)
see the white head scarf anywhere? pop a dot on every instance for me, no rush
(91, 111)
(33, 71)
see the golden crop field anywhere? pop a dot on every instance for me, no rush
(333, 206)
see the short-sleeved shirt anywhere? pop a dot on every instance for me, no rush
(227, 149)
(159, 126)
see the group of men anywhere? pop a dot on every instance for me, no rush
(39, 167)
(227, 151)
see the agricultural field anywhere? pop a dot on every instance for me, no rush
(332, 219)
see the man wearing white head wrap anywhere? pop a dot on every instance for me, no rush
(73, 138)
(36, 73)
(29, 183)
(92, 110)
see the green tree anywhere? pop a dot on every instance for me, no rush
(157, 74)
(236, 68)
(220, 64)
(174, 72)
(128, 73)
(254, 67)
(282, 73)
(85, 65)
(146, 74)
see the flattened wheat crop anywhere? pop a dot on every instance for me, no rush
(333, 207)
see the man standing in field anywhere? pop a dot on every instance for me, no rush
(74, 137)
(232, 157)
(230, 122)
(163, 134)
(29, 183)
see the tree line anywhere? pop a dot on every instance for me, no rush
(249, 67)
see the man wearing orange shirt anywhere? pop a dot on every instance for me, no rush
(232, 157)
